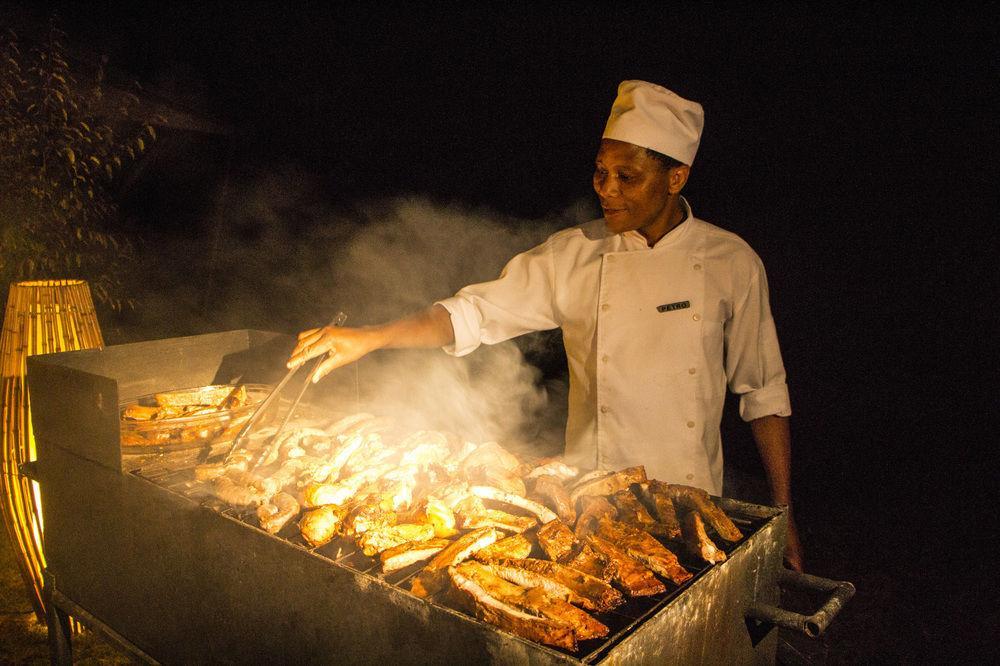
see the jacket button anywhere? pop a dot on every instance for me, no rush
(690, 424)
(604, 409)
(604, 358)
(605, 307)
(690, 477)
(697, 267)
(691, 371)
(696, 317)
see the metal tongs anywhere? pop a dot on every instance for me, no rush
(243, 434)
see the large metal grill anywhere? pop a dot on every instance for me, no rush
(140, 550)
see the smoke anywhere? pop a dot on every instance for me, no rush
(282, 257)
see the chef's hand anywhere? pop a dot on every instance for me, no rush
(793, 547)
(341, 346)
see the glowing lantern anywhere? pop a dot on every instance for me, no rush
(43, 316)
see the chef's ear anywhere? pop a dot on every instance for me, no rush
(678, 178)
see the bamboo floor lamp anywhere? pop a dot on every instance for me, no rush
(42, 317)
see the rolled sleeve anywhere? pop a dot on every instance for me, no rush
(465, 320)
(754, 368)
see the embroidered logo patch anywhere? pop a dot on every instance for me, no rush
(670, 307)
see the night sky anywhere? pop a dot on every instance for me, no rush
(853, 148)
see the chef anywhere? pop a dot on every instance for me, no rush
(660, 311)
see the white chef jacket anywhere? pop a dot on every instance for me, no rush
(652, 337)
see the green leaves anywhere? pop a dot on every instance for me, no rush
(62, 143)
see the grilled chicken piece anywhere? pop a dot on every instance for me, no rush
(587, 591)
(592, 509)
(550, 489)
(584, 558)
(644, 548)
(556, 539)
(434, 576)
(555, 468)
(698, 500)
(405, 554)
(498, 613)
(440, 516)
(377, 539)
(534, 600)
(697, 541)
(276, 513)
(499, 519)
(320, 525)
(659, 501)
(610, 483)
(340, 492)
(491, 493)
(367, 516)
(630, 574)
(516, 547)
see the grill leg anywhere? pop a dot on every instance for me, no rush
(60, 638)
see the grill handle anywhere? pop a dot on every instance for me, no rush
(811, 625)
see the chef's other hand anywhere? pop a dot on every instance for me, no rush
(341, 345)
(793, 547)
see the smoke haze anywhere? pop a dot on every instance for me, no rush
(281, 257)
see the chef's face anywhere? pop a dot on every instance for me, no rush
(635, 189)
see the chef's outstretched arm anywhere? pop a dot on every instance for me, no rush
(774, 443)
(425, 329)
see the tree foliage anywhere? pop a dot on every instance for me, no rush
(62, 143)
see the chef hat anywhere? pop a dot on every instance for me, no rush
(653, 117)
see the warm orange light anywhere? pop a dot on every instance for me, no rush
(42, 317)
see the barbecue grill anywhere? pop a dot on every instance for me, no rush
(137, 549)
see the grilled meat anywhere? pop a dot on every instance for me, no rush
(586, 590)
(698, 500)
(659, 501)
(534, 599)
(440, 516)
(434, 576)
(238, 494)
(550, 489)
(377, 539)
(592, 509)
(498, 613)
(320, 525)
(555, 468)
(238, 462)
(631, 511)
(609, 483)
(584, 558)
(405, 554)
(491, 493)
(630, 574)
(556, 539)
(499, 519)
(644, 548)
(277, 511)
(697, 541)
(516, 547)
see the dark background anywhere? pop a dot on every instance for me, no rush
(852, 146)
